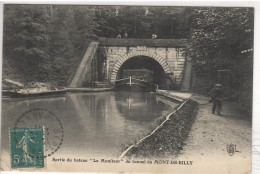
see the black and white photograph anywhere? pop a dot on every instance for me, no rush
(127, 88)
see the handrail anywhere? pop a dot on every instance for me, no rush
(122, 79)
(139, 79)
(144, 81)
(132, 78)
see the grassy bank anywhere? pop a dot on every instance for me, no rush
(168, 140)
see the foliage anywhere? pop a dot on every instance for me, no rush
(46, 43)
(142, 22)
(219, 35)
(222, 38)
(26, 38)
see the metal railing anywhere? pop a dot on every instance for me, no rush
(131, 80)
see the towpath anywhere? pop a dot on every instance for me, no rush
(210, 135)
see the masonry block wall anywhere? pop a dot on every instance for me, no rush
(171, 59)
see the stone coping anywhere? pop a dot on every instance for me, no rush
(175, 95)
(88, 89)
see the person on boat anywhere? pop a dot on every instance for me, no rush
(216, 98)
(154, 36)
(125, 35)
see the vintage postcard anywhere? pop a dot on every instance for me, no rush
(132, 89)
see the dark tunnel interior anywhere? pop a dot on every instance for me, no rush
(143, 62)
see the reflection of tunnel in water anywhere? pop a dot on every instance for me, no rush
(138, 62)
(140, 106)
(94, 123)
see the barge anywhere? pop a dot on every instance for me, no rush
(136, 80)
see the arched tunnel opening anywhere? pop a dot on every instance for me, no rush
(143, 62)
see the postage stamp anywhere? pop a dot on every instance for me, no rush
(27, 148)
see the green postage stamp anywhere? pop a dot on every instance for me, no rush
(27, 148)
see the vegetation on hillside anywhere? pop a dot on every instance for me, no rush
(45, 43)
(222, 38)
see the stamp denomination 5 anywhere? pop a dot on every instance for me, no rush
(27, 149)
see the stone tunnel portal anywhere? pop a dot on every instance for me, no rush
(139, 62)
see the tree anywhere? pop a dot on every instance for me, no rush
(142, 22)
(72, 30)
(222, 38)
(26, 37)
(45, 43)
(219, 35)
(105, 21)
(167, 22)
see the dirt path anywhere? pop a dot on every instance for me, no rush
(210, 134)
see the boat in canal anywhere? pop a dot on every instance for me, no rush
(31, 92)
(136, 80)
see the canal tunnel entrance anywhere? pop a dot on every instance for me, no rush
(144, 62)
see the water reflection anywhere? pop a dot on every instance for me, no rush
(139, 106)
(94, 123)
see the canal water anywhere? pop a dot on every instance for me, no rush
(94, 124)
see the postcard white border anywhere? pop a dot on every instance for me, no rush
(227, 3)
